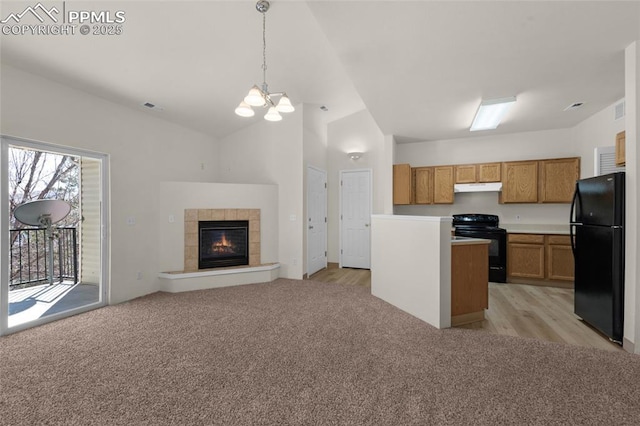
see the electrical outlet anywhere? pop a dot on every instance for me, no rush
(294, 261)
(139, 275)
(131, 221)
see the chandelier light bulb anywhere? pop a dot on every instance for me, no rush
(285, 105)
(245, 110)
(254, 97)
(272, 115)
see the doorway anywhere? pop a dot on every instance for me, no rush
(316, 220)
(52, 267)
(355, 218)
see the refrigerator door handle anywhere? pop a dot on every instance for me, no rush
(573, 205)
(571, 221)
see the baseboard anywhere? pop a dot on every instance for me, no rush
(628, 345)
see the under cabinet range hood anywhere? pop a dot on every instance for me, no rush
(478, 187)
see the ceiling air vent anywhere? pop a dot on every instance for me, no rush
(152, 106)
(618, 111)
(574, 105)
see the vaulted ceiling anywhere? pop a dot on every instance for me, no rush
(420, 67)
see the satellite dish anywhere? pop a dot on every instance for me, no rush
(42, 213)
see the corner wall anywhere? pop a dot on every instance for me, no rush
(632, 195)
(357, 132)
(272, 153)
(142, 151)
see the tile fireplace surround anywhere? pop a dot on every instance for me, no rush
(191, 218)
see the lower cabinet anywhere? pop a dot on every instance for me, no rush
(560, 264)
(539, 257)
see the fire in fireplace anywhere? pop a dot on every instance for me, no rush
(223, 243)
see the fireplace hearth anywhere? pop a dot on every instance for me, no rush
(223, 243)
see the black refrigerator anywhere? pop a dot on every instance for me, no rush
(597, 237)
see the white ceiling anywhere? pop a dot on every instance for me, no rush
(420, 67)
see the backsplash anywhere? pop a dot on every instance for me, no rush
(487, 202)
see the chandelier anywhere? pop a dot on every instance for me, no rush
(260, 96)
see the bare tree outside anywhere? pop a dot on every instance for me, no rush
(37, 175)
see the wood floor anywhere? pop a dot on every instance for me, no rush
(544, 313)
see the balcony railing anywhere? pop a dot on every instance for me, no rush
(29, 256)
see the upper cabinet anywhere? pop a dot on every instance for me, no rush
(467, 173)
(533, 181)
(558, 179)
(620, 147)
(474, 173)
(443, 185)
(490, 172)
(401, 184)
(519, 182)
(422, 185)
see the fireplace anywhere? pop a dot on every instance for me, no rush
(223, 243)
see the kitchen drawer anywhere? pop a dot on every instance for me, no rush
(526, 238)
(562, 240)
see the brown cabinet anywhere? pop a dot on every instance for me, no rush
(474, 173)
(519, 182)
(540, 257)
(401, 184)
(620, 149)
(489, 172)
(443, 185)
(469, 282)
(558, 179)
(422, 185)
(525, 256)
(560, 264)
(466, 173)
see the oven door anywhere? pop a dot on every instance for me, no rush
(497, 250)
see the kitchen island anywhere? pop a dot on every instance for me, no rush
(412, 268)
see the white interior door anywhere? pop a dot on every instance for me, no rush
(355, 219)
(316, 220)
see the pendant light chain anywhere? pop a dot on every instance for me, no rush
(264, 51)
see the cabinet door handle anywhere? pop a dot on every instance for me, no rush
(310, 226)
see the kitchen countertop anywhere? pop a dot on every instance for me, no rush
(521, 228)
(468, 241)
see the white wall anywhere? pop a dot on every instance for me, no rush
(357, 132)
(632, 193)
(179, 196)
(413, 274)
(597, 131)
(272, 153)
(143, 151)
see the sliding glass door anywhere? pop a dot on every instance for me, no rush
(53, 217)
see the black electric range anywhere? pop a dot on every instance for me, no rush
(476, 225)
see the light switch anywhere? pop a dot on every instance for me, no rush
(172, 218)
(131, 221)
